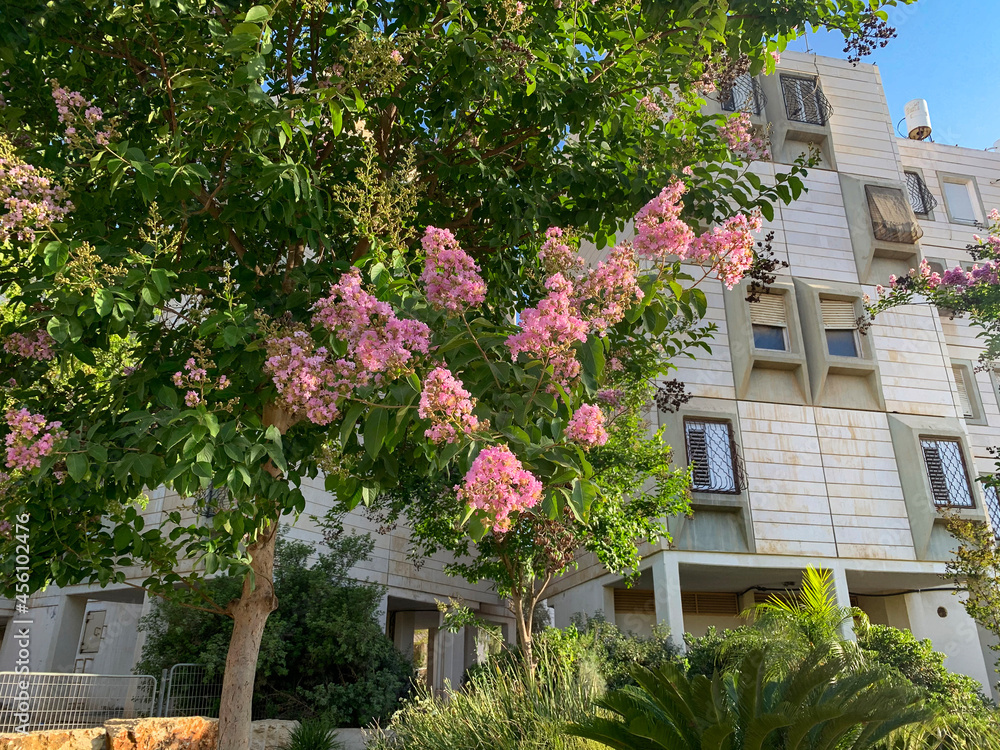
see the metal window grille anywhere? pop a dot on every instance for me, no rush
(992, 503)
(745, 95)
(921, 200)
(711, 451)
(946, 471)
(46, 700)
(211, 501)
(190, 690)
(804, 101)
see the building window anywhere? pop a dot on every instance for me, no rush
(892, 219)
(963, 385)
(993, 509)
(946, 471)
(711, 452)
(211, 501)
(720, 603)
(840, 321)
(960, 195)
(769, 321)
(744, 95)
(634, 602)
(804, 101)
(921, 200)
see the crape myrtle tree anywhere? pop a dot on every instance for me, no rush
(241, 244)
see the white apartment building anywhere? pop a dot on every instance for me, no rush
(812, 444)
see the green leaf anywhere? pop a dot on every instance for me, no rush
(376, 427)
(103, 301)
(77, 465)
(347, 426)
(257, 14)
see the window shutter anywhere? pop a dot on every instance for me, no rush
(769, 311)
(935, 472)
(921, 200)
(963, 392)
(839, 314)
(634, 602)
(719, 603)
(701, 475)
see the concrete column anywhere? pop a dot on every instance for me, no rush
(61, 656)
(667, 596)
(843, 595)
(382, 614)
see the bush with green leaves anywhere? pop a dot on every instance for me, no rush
(324, 655)
(501, 706)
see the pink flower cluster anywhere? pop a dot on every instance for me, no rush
(729, 248)
(304, 377)
(451, 279)
(659, 230)
(380, 347)
(499, 485)
(604, 296)
(448, 406)
(31, 200)
(742, 140)
(549, 330)
(610, 396)
(586, 427)
(195, 378)
(30, 439)
(557, 253)
(34, 345)
(726, 250)
(75, 112)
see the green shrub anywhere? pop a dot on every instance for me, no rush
(919, 663)
(323, 655)
(499, 707)
(616, 652)
(313, 734)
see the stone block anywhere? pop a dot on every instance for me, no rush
(66, 739)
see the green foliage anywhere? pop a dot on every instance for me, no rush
(816, 705)
(323, 655)
(313, 734)
(924, 667)
(616, 653)
(500, 706)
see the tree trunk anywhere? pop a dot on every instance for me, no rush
(524, 632)
(249, 614)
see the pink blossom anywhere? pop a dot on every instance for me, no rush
(223, 381)
(34, 345)
(31, 200)
(450, 278)
(729, 249)
(307, 381)
(558, 254)
(31, 438)
(776, 56)
(605, 295)
(499, 485)
(659, 231)
(586, 427)
(192, 399)
(549, 331)
(448, 406)
(76, 112)
(191, 375)
(380, 348)
(396, 56)
(742, 140)
(610, 396)
(519, 8)
(954, 277)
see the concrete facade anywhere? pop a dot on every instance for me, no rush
(829, 446)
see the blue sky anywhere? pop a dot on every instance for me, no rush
(947, 52)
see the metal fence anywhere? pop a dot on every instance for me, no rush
(189, 690)
(48, 700)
